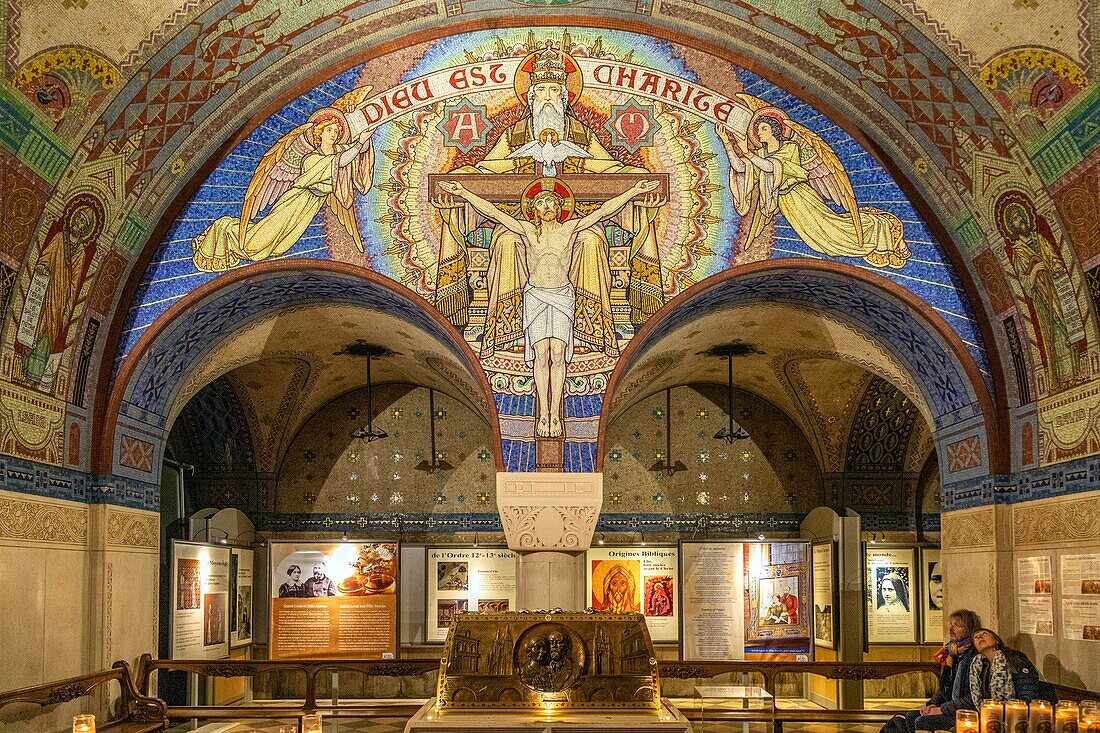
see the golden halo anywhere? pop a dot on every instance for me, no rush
(574, 81)
(85, 203)
(772, 113)
(543, 185)
(330, 114)
(602, 568)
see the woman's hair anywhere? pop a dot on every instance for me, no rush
(899, 588)
(997, 642)
(969, 620)
(292, 568)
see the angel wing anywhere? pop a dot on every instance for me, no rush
(827, 175)
(351, 101)
(346, 215)
(275, 173)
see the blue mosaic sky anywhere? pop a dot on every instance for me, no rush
(171, 273)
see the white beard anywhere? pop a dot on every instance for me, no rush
(548, 115)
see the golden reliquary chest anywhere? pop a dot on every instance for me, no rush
(539, 659)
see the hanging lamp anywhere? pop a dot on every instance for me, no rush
(665, 464)
(436, 462)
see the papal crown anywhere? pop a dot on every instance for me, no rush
(549, 67)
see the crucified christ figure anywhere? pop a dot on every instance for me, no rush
(549, 234)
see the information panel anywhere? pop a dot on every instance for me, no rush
(1035, 595)
(200, 601)
(240, 597)
(891, 616)
(824, 559)
(932, 631)
(1033, 576)
(1036, 615)
(334, 600)
(640, 579)
(1080, 575)
(467, 579)
(746, 600)
(713, 593)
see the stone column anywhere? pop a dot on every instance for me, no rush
(549, 519)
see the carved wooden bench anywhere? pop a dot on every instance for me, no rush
(136, 712)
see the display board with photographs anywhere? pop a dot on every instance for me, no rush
(889, 585)
(200, 601)
(746, 600)
(1080, 602)
(1035, 595)
(240, 596)
(639, 579)
(824, 595)
(932, 631)
(467, 579)
(334, 600)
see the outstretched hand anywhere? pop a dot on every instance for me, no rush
(645, 186)
(452, 187)
(734, 141)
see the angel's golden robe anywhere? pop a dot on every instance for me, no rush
(220, 246)
(786, 188)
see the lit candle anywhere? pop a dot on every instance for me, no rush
(1016, 716)
(993, 716)
(966, 721)
(311, 723)
(1065, 717)
(84, 723)
(1090, 716)
(1040, 717)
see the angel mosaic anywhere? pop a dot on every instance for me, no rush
(777, 166)
(311, 167)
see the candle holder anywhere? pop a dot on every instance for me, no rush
(84, 723)
(1089, 716)
(1016, 720)
(1040, 717)
(992, 716)
(311, 723)
(1066, 715)
(966, 721)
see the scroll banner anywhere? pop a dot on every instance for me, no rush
(498, 76)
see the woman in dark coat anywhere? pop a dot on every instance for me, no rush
(1000, 673)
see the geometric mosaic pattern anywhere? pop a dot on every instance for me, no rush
(203, 326)
(937, 369)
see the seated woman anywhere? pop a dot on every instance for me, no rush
(1000, 673)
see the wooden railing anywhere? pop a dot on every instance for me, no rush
(309, 671)
(136, 712)
(857, 671)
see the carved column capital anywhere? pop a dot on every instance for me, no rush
(549, 511)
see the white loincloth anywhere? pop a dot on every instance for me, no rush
(548, 313)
